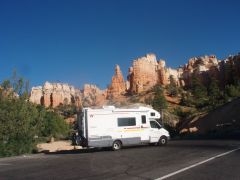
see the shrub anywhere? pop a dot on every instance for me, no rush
(54, 126)
(172, 88)
(232, 91)
(21, 121)
(182, 114)
(18, 126)
(158, 101)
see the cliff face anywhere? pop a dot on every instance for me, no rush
(143, 73)
(93, 96)
(118, 85)
(225, 71)
(55, 94)
(147, 72)
(230, 70)
(200, 67)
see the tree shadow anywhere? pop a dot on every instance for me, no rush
(75, 151)
(94, 150)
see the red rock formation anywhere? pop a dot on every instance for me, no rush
(55, 94)
(163, 79)
(36, 95)
(118, 85)
(144, 74)
(165, 73)
(93, 96)
(202, 67)
(147, 72)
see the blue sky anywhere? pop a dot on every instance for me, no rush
(80, 42)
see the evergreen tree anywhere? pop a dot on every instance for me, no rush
(172, 88)
(198, 89)
(159, 101)
(186, 99)
(232, 91)
(199, 92)
(214, 93)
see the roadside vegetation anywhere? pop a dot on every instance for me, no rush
(22, 123)
(200, 97)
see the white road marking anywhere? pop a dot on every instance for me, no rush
(197, 164)
(4, 164)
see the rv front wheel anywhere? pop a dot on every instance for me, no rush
(116, 145)
(162, 141)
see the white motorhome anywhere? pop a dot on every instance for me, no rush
(114, 127)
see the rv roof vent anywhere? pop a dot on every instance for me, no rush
(108, 107)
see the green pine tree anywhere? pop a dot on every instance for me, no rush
(214, 93)
(159, 101)
(172, 88)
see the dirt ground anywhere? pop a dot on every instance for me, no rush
(56, 146)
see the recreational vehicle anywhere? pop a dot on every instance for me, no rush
(115, 127)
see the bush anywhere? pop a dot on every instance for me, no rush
(186, 99)
(232, 91)
(18, 126)
(67, 110)
(182, 114)
(172, 88)
(159, 101)
(54, 126)
(21, 122)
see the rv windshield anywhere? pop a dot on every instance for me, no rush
(154, 124)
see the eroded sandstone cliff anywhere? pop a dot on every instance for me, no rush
(93, 96)
(55, 94)
(145, 72)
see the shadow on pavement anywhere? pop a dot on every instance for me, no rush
(76, 151)
(197, 144)
(93, 150)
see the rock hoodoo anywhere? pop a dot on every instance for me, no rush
(118, 85)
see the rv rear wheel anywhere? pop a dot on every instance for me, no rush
(117, 145)
(162, 141)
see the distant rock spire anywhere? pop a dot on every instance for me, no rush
(118, 85)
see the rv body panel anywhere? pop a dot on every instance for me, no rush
(101, 127)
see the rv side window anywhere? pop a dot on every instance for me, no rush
(126, 121)
(143, 119)
(152, 114)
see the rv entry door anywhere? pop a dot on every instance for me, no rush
(144, 129)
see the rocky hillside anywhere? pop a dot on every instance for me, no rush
(145, 73)
(221, 121)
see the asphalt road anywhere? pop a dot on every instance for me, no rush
(178, 160)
